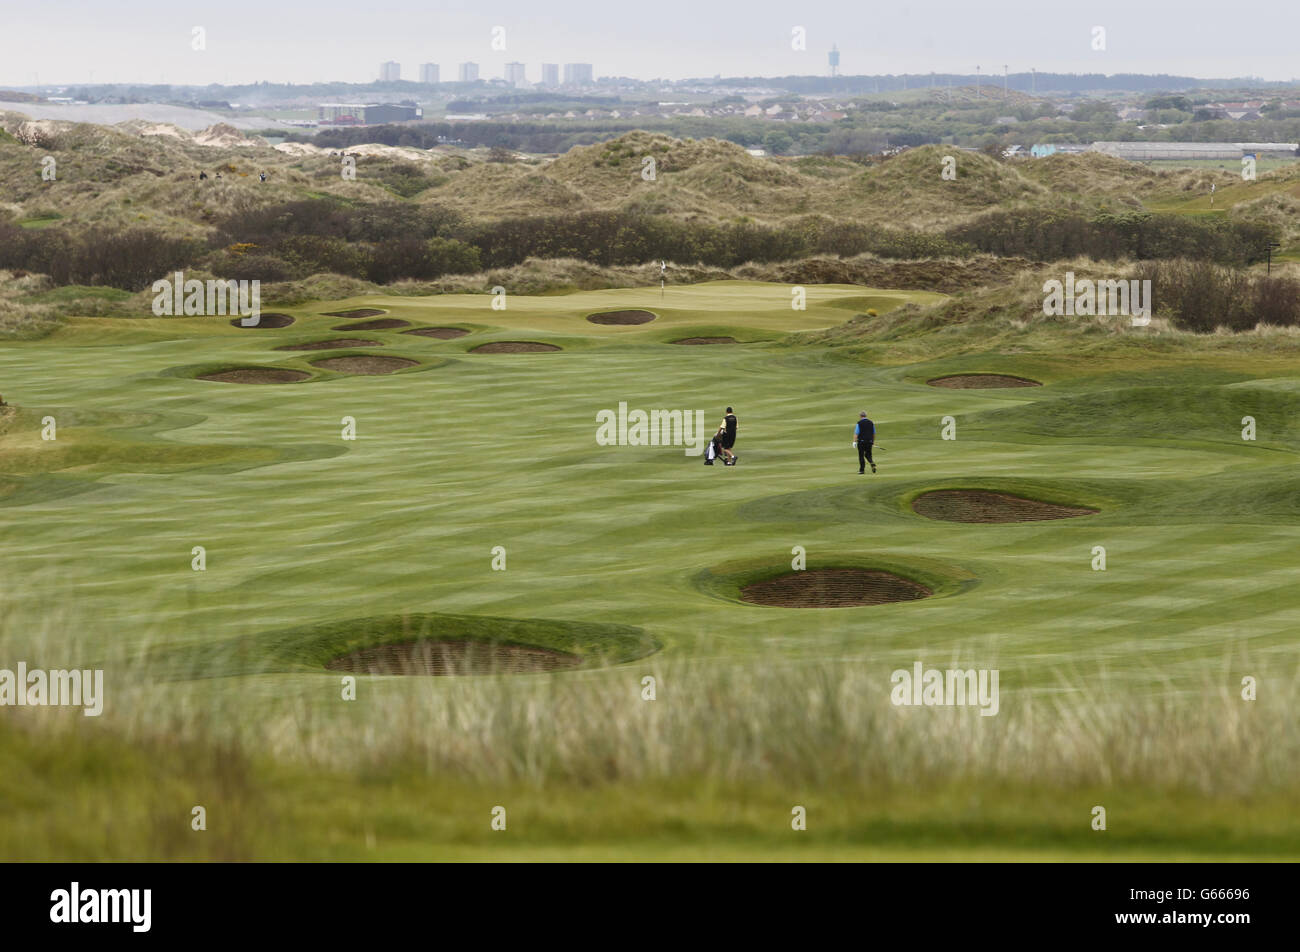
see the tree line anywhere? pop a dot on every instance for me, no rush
(390, 242)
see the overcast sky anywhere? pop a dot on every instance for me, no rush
(149, 41)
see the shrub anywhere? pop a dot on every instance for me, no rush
(401, 178)
(1203, 297)
(130, 259)
(411, 258)
(309, 254)
(253, 266)
(1052, 236)
(323, 218)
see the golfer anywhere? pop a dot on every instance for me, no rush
(864, 436)
(725, 438)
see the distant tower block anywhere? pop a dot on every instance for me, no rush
(834, 57)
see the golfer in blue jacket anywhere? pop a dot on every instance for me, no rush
(864, 436)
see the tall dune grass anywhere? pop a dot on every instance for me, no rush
(827, 720)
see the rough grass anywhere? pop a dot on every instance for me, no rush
(21, 317)
(536, 276)
(1008, 316)
(257, 810)
(754, 720)
(714, 764)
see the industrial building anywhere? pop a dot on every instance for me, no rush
(1142, 151)
(1152, 151)
(366, 114)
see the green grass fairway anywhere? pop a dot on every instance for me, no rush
(621, 554)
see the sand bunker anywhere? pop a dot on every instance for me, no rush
(442, 333)
(978, 505)
(256, 375)
(266, 320)
(621, 317)
(440, 658)
(833, 588)
(334, 344)
(707, 340)
(981, 381)
(383, 324)
(513, 347)
(358, 312)
(365, 364)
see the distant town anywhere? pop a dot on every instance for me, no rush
(549, 107)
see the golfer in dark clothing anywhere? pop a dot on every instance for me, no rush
(864, 435)
(727, 437)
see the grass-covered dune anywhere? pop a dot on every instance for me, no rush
(129, 176)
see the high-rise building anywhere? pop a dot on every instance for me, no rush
(468, 72)
(550, 74)
(576, 74)
(429, 74)
(390, 72)
(515, 74)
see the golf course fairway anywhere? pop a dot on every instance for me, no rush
(214, 546)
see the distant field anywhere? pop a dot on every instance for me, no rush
(1119, 687)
